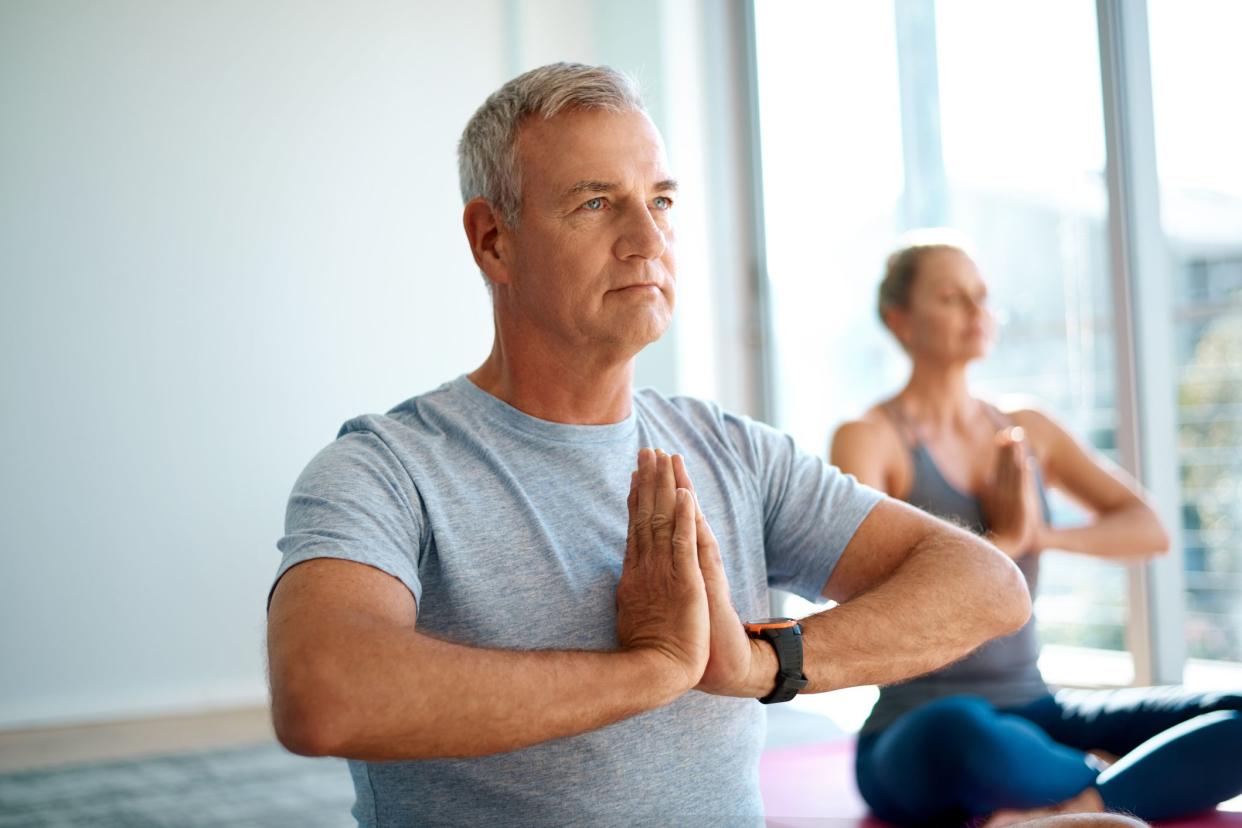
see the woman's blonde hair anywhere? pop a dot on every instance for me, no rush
(902, 266)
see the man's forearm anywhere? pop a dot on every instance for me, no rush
(397, 694)
(953, 593)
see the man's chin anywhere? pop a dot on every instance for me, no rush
(640, 332)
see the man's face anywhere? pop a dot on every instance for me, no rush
(592, 257)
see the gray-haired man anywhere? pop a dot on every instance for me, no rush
(496, 618)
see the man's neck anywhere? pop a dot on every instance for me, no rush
(558, 387)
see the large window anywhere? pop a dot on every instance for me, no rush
(987, 116)
(1198, 133)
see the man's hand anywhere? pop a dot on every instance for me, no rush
(737, 665)
(662, 605)
(1010, 500)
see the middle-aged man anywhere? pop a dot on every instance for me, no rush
(511, 600)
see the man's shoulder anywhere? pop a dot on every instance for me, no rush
(406, 424)
(693, 406)
(707, 419)
(686, 411)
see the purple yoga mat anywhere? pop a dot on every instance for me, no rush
(804, 785)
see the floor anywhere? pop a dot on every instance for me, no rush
(48, 747)
(225, 768)
(242, 787)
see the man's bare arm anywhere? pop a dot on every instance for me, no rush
(352, 677)
(915, 594)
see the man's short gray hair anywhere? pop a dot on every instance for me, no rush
(487, 153)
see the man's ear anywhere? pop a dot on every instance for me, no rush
(489, 239)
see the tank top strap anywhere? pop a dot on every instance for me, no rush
(904, 428)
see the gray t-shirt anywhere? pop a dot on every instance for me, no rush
(509, 531)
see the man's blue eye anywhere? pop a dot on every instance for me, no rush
(594, 204)
(663, 202)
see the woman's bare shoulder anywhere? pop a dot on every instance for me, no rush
(872, 425)
(872, 432)
(871, 448)
(1026, 411)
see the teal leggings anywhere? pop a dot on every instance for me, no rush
(959, 757)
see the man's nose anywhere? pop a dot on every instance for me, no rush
(641, 236)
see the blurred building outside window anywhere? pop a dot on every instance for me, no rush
(955, 113)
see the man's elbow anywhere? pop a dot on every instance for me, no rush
(304, 718)
(299, 732)
(1013, 607)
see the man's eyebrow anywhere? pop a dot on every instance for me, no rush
(608, 186)
(592, 187)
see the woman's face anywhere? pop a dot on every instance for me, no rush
(947, 318)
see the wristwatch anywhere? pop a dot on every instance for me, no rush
(785, 636)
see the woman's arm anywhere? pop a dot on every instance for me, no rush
(1123, 525)
(864, 448)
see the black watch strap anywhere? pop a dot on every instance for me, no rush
(785, 636)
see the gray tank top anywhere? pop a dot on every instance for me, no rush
(1003, 671)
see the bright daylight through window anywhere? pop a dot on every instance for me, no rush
(877, 118)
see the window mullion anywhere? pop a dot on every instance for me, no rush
(1142, 292)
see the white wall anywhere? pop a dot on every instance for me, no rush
(224, 229)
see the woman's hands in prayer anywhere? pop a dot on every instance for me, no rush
(1010, 499)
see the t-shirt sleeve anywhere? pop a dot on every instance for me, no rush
(356, 502)
(810, 509)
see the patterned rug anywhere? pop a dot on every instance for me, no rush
(247, 787)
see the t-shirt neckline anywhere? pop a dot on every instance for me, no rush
(507, 415)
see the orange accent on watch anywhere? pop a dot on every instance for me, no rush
(769, 624)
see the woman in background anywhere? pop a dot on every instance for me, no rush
(986, 737)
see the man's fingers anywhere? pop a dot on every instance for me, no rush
(665, 512)
(680, 474)
(710, 562)
(685, 546)
(631, 504)
(644, 500)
